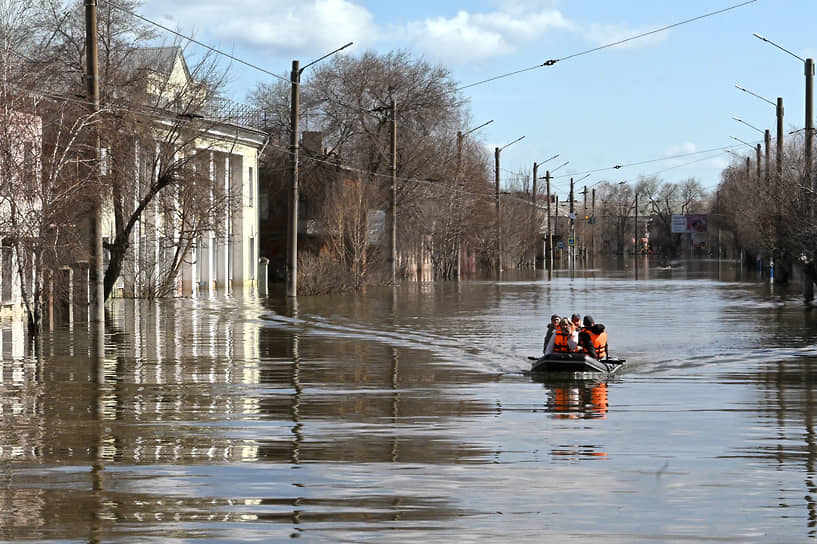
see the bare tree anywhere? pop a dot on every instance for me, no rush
(350, 101)
(154, 130)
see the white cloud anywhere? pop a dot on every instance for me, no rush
(468, 36)
(307, 28)
(680, 149)
(279, 27)
(612, 33)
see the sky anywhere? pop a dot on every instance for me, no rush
(640, 104)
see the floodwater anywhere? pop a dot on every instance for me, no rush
(406, 415)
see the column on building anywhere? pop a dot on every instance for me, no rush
(222, 244)
(206, 242)
(238, 238)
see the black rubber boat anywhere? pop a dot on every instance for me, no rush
(575, 362)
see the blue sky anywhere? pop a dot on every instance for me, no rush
(656, 97)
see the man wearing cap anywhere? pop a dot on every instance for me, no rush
(554, 322)
(593, 338)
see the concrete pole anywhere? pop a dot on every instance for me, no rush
(809, 185)
(393, 221)
(550, 230)
(534, 227)
(593, 227)
(458, 200)
(498, 214)
(292, 238)
(779, 112)
(767, 140)
(758, 164)
(572, 247)
(808, 283)
(635, 240)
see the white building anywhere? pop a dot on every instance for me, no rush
(228, 154)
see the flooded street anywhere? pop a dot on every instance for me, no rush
(407, 415)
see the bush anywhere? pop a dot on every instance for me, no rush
(322, 274)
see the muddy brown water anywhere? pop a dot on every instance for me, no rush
(406, 415)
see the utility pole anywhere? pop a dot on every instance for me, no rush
(767, 140)
(593, 227)
(779, 114)
(635, 239)
(292, 211)
(556, 220)
(809, 185)
(808, 288)
(758, 163)
(534, 227)
(497, 151)
(96, 271)
(498, 215)
(458, 200)
(460, 197)
(292, 239)
(393, 207)
(550, 230)
(572, 251)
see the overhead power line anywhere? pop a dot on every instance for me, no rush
(551, 62)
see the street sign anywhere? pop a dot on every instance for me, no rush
(561, 245)
(571, 241)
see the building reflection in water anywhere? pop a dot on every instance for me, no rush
(189, 383)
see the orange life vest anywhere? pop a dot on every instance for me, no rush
(599, 343)
(560, 342)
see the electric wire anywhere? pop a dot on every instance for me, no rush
(551, 62)
(415, 180)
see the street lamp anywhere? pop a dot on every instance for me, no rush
(460, 139)
(635, 210)
(779, 144)
(497, 151)
(292, 238)
(741, 157)
(550, 232)
(534, 228)
(809, 73)
(756, 149)
(766, 140)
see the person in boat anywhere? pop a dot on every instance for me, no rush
(593, 338)
(576, 321)
(552, 326)
(564, 340)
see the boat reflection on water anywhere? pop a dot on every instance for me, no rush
(577, 399)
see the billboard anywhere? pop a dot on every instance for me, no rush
(688, 223)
